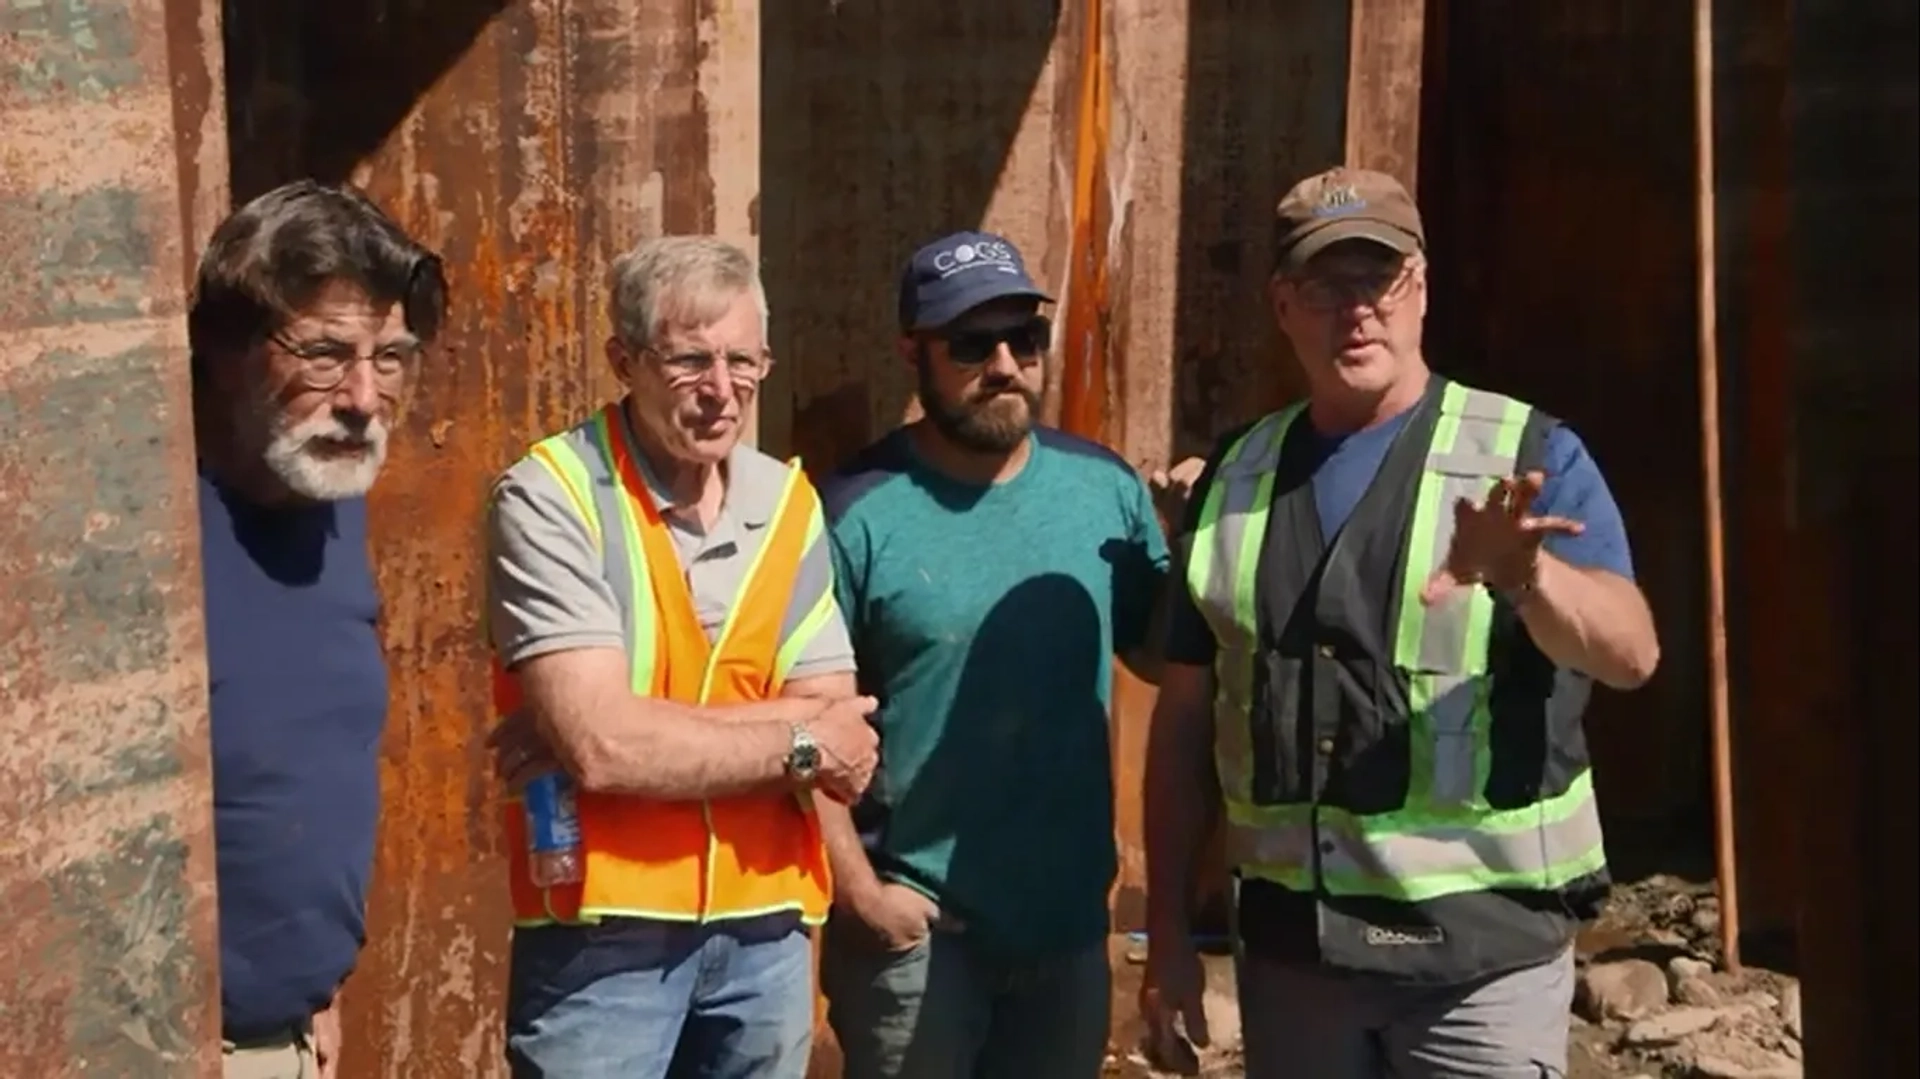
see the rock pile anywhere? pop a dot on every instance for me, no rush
(1652, 1001)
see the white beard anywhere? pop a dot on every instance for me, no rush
(293, 455)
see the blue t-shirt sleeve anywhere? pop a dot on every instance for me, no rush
(1575, 489)
(1140, 572)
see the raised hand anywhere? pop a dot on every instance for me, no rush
(1498, 542)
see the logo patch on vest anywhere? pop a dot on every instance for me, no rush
(1381, 936)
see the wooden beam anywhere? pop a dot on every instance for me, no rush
(1385, 49)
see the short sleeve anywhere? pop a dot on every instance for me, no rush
(1190, 639)
(1140, 571)
(1574, 488)
(813, 638)
(546, 591)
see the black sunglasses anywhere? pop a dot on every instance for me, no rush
(1030, 338)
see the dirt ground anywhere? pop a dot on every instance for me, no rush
(1653, 1001)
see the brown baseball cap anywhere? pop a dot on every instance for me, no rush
(1344, 204)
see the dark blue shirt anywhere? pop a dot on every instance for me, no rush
(299, 700)
(1345, 467)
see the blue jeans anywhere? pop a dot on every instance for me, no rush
(635, 999)
(943, 1010)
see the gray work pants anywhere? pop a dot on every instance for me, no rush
(1305, 1022)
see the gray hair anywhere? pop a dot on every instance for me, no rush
(679, 280)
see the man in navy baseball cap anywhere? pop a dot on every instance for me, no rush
(954, 274)
(990, 568)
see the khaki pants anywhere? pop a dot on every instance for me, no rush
(291, 1059)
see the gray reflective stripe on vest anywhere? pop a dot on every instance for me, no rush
(583, 452)
(1226, 545)
(1410, 858)
(1443, 648)
(1445, 839)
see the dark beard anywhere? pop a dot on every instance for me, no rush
(968, 423)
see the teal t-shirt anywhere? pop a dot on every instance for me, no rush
(985, 619)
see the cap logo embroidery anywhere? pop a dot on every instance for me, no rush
(1339, 200)
(983, 255)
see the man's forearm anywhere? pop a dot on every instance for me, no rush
(784, 710)
(665, 750)
(853, 875)
(613, 741)
(1592, 621)
(1181, 803)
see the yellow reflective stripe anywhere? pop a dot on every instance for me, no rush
(571, 473)
(1443, 650)
(641, 630)
(803, 634)
(747, 581)
(1221, 573)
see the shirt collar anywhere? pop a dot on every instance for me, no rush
(752, 513)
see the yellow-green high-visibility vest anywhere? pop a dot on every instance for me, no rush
(1442, 837)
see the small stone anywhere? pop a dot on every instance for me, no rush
(1698, 993)
(1777, 1067)
(1790, 1009)
(1669, 1028)
(1627, 989)
(1682, 967)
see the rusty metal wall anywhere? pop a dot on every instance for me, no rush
(1854, 243)
(106, 861)
(885, 125)
(529, 143)
(1764, 618)
(1558, 186)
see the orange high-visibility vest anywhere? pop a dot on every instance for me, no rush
(690, 861)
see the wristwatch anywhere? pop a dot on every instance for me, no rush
(803, 756)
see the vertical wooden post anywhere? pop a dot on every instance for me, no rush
(1725, 873)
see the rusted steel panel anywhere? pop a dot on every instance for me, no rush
(106, 866)
(1558, 190)
(885, 125)
(1265, 106)
(1855, 229)
(529, 144)
(1766, 596)
(1147, 59)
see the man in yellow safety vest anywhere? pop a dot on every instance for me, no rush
(1398, 594)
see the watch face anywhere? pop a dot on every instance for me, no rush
(804, 758)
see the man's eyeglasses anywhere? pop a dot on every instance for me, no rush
(324, 362)
(692, 365)
(1028, 339)
(1380, 289)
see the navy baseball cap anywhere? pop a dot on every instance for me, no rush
(957, 273)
